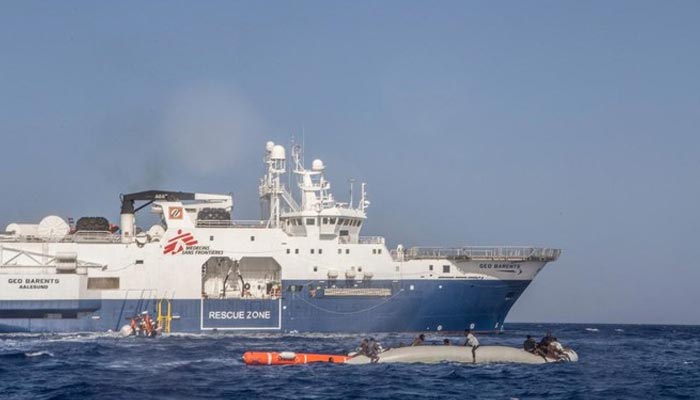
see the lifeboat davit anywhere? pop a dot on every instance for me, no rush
(289, 357)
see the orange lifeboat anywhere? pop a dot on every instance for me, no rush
(288, 358)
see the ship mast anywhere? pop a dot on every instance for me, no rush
(271, 188)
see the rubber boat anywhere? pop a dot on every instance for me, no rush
(414, 354)
(461, 354)
(289, 358)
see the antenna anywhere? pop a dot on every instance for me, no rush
(303, 143)
(352, 183)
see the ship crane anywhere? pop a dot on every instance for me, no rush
(129, 209)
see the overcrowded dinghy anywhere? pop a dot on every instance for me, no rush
(461, 354)
(414, 354)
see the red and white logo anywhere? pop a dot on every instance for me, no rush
(175, 212)
(179, 242)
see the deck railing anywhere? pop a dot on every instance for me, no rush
(481, 253)
(231, 224)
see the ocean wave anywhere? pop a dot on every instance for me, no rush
(209, 365)
(22, 355)
(39, 354)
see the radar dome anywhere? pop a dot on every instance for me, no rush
(269, 145)
(156, 232)
(277, 153)
(317, 165)
(53, 228)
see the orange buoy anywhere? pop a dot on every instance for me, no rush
(288, 358)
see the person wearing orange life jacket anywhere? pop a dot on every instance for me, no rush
(134, 325)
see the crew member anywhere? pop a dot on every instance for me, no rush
(446, 342)
(147, 324)
(134, 324)
(472, 342)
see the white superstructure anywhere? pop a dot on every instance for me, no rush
(304, 267)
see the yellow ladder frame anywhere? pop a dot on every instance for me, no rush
(164, 320)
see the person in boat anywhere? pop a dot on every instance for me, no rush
(363, 350)
(154, 331)
(374, 349)
(446, 342)
(530, 345)
(418, 341)
(135, 325)
(146, 326)
(546, 340)
(556, 350)
(472, 342)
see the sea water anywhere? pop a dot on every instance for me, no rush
(616, 362)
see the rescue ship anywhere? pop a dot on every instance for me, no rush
(303, 268)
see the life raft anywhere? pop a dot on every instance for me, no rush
(289, 358)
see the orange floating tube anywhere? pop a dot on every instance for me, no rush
(289, 358)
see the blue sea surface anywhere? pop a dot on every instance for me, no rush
(616, 362)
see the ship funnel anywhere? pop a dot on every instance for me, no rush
(127, 227)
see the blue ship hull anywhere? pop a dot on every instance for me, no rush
(413, 305)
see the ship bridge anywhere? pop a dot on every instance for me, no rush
(317, 213)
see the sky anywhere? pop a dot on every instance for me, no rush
(563, 124)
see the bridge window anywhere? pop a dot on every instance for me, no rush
(296, 251)
(325, 220)
(252, 238)
(379, 251)
(430, 267)
(347, 251)
(446, 269)
(289, 251)
(359, 222)
(340, 251)
(211, 238)
(374, 251)
(320, 251)
(310, 221)
(312, 251)
(332, 221)
(315, 269)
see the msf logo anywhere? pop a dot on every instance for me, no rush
(179, 243)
